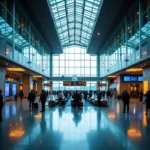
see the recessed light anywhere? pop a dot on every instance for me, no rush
(98, 33)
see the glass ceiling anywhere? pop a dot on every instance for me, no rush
(75, 20)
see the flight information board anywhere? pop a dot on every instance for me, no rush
(74, 83)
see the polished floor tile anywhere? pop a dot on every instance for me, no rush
(66, 128)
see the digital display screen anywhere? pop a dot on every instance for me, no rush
(134, 78)
(127, 78)
(140, 79)
(7, 89)
(14, 89)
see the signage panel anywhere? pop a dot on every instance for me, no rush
(74, 83)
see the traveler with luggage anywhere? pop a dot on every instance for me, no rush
(99, 96)
(31, 98)
(147, 100)
(77, 98)
(21, 95)
(1, 105)
(126, 101)
(60, 97)
(43, 100)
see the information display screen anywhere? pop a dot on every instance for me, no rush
(14, 89)
(134, 78)
(140, 79)
(127, 78)
(7, 89)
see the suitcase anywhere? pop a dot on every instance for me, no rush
(96, 103)
(52, 103)
(104, 103)
(80, 104)
(35, 106)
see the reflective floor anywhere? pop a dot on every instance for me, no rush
(65, 128)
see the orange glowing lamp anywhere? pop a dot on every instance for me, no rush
(134, 133)
(16, 133)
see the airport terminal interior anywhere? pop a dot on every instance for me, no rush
(74, 74)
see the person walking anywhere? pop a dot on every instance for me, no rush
(99, 96)
(77, 98)
(126, 101)
(43, 100)
(147, 100)
(31, 98)
(1, 105)
(141, 96)
(16, 96)
(21, 95)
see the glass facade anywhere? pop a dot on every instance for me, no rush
(129, 43)
(74, 61)
(90, 85)
(20, 40)
(75, 20)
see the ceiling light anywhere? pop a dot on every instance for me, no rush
(37, 76)
(98, 33)
(16, 69)
(145, 53)
(111, 76)
(134, 70)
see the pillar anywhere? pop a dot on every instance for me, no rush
(2, 79)
(140, 25)
(98, 65)
(39, 86)
(14, 17)
(146, 79)
(51, 65)
(27, 84)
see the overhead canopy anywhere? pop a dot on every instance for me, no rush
(75, 20)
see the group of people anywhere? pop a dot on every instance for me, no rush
(136, 94)
(32, 98)
(77, 96)
(126, 101)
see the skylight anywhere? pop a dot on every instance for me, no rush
(75, 20)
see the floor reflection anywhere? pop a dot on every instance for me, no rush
(63, 128)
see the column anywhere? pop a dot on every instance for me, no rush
(98, 65)
(51, 65)
(39, 86)
(126, 39)
(140, 25)
(146, 79)
(14, 14)
(2, 79)
(27, 84)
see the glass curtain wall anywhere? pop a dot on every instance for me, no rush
(75, 61)
(130, 42)
(18, 35)
(90, 85)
